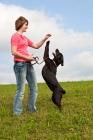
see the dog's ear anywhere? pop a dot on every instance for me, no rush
(62, 61)
(62, 64)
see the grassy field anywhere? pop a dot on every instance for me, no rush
(74, 122)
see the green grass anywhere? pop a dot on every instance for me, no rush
(74, 122)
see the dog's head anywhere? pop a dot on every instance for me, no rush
(58, 57)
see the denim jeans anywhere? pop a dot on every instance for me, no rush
(25, 71)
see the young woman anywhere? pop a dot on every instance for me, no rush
(23, 68)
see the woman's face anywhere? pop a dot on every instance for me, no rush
(24, 27)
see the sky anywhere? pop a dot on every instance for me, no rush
(69, 22)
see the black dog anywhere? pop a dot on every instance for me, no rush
(49, 74)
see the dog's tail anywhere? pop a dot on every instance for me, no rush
(63, 92)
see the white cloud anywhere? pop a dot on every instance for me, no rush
(85, 59)
(77, 66)
(7, 78)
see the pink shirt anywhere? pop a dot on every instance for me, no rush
(22, 43)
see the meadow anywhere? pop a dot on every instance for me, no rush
(74, 122)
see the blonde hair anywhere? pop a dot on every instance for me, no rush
(19, 22)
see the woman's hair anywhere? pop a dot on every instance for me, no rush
(19, 22)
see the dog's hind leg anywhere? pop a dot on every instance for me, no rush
(56, 98)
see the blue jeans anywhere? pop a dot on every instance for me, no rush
(25, 71)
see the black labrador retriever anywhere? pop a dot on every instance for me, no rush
(49, 74)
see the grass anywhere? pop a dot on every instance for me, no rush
(74, 122)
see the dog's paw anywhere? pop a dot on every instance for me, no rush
(61, 109)
(47, 43)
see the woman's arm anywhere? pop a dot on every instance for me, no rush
(39, 44)
(17, 54)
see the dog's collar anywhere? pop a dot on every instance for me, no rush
(54, 63)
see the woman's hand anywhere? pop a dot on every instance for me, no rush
(47, 36)
(39, 44)
(31, 58)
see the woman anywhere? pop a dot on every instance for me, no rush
(22, 59)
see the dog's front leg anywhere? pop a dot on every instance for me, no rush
(46, 52)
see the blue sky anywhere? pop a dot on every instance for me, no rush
(69, 21)
(76, 14)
